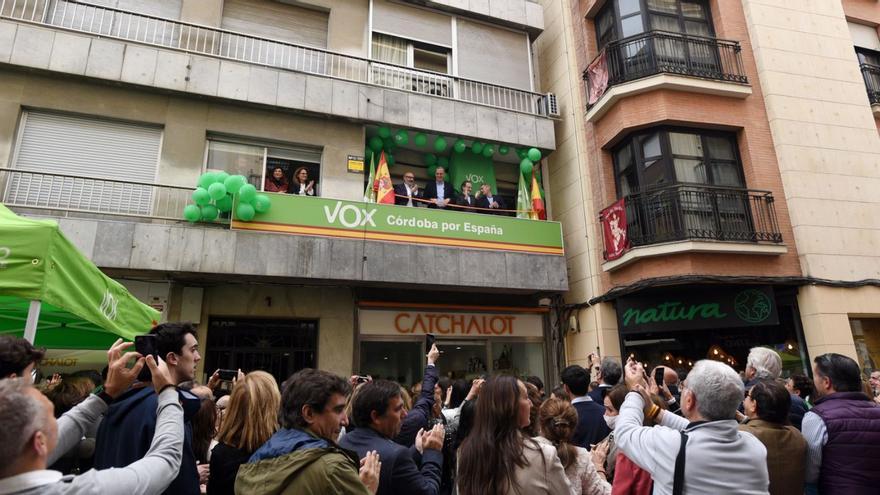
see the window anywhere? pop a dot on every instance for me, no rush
(866, 337)
(258, 163)
(628, 17)
(676, 156)
(406, 53)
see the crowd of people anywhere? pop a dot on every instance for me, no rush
(607, 429)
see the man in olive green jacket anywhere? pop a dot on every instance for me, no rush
(302, 458)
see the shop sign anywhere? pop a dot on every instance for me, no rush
(358, 220)
(450, 324)
(703, 309)
(65, 361)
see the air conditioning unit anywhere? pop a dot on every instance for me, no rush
(551, 105)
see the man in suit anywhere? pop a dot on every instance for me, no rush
(408, 193)
(488, 201)
(465, 199)
(610, 373)
(378, 413)
(439, 192)
(591, 427)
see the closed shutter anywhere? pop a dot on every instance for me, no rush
(88, 148)
(276, 21)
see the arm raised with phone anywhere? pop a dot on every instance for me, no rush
(420, 416)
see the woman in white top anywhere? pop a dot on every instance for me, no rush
(558, 419)
(497, 458)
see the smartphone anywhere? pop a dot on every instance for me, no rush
(429, 342)
(658, 376)
(227, 375)
(146, 345)
(362, 379)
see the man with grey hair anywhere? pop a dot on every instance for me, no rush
(762, 364)
(610, 373)
(705, 453)
(31, 438)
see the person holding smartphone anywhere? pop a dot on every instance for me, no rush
(419, 417)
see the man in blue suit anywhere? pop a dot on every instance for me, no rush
(591, 428)
(378, 413)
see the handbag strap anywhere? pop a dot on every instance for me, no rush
(678, 481)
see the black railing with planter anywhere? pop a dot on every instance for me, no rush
(658, 52)
(696, 212)
(871, 74)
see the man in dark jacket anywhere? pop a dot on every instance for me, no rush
(407, 193)
(842, 430)
(610, 373)
(591, 427)
(127, 430)
(302, 457)
(378, 413)
(438, 192)
(419, 418)
(488, 201)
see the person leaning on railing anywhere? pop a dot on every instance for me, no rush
(465, 200)
(489, 201)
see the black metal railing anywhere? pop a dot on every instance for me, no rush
(657, 52)
(871, 74)
(684, 212)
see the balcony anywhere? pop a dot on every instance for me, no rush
(128, 225)
(657, 60)
(260, 70)
(693, 218)
(871, 74)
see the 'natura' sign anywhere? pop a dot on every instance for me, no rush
(708, 308)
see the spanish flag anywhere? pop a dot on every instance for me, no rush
(383, 186)
(538, 212)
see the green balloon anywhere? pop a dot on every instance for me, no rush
(503, 149)
(459, 146)
(477, 147)
(442, 161)
(534, 154)
(192, 213)
(521, 153)
(224, 204)
(389, 145)
(420, 139)
(234, 183)
(207, 179)
(262, 203)
(376, 143)
(217, 190)
(432, 169)
(247, 193)
(201, 196)
(221, 176)
(430, 159)
(209, 213)
(488, 151)
(389, 159)
(401, 137)
(526, 166)
(440, 144)
(384, 132)
(245, 212)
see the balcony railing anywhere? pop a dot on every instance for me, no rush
(194, 38)
(692, 212)
(658, 52)
(71, 193)
(871, 74)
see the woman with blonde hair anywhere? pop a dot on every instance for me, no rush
(251, 418)
(558, 420)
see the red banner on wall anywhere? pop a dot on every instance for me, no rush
(597, 74)
(613, 221)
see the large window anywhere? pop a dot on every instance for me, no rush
(258, 163)
(624, 18)
(670, 155)
(406, 53)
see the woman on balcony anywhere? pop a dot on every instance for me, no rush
(277, 182)
(301, 183)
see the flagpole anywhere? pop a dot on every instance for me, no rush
(30, 328)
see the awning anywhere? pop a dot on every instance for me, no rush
(78, 306)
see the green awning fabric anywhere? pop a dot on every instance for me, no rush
(81, 308)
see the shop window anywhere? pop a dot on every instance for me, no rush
(397, 361)
(866, 336)
(520, 359)
(258, 163)
(279, 347)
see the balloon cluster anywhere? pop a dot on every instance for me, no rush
(216, 193)
(389, 141)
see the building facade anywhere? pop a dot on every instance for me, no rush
(111, 111)
(714, 177)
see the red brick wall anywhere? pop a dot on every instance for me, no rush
(746, 116)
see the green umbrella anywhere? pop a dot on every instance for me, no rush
(51, 294)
